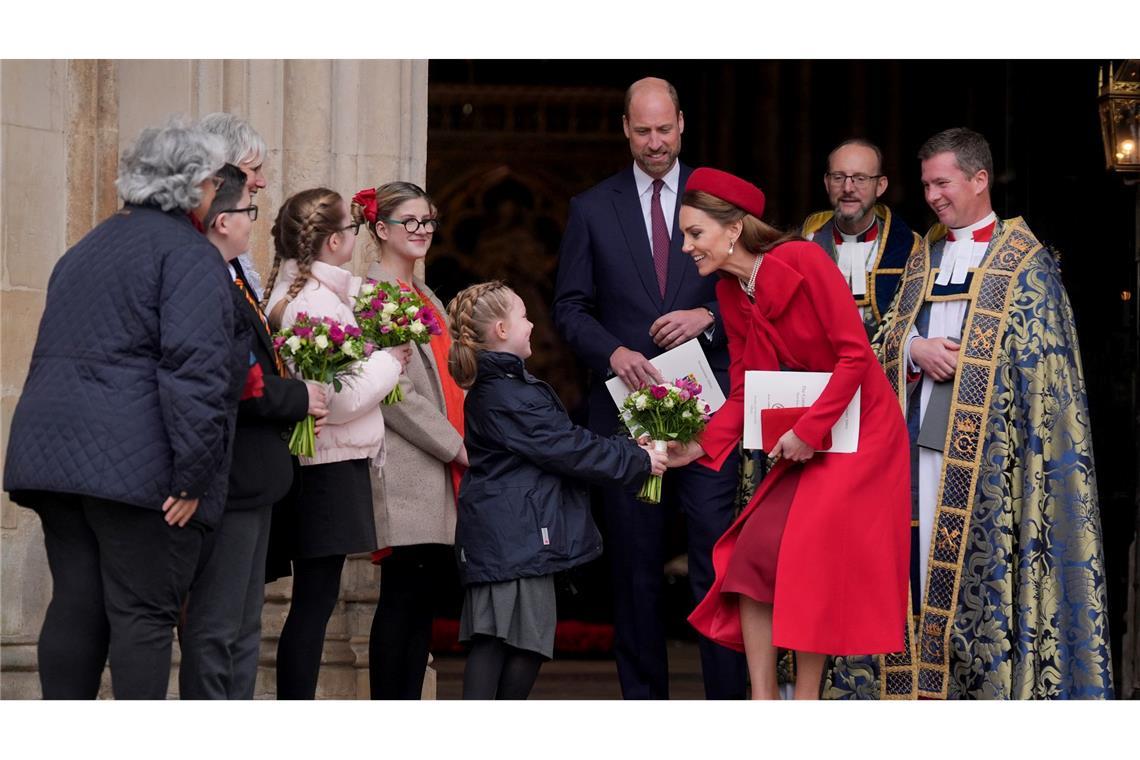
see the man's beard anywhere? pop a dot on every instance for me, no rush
(864, 208)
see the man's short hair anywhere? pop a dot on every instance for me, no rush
(861, 143)
(668, 86)
(970, 149)
(229, 192)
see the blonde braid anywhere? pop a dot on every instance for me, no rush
(470, 314)
(303, 224)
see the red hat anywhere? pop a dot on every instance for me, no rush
(728, 187)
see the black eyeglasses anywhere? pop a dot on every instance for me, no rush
(250, 211)
(413, 225)
(861, 180)
(355, 227)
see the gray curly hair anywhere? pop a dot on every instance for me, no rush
(243, 143)
(165, 166)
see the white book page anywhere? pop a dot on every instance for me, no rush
(686, 360)
(776, 390)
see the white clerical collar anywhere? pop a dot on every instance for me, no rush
(855, 238)
(966, 233)
(645, 182)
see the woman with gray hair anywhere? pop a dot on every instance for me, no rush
(245, 149)
(120, 440)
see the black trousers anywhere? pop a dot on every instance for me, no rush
(221, 641)
(119, 576)
(635, 541)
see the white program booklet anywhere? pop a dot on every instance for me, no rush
(775, 390)
(686, 360)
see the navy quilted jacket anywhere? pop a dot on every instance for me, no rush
(133, 386)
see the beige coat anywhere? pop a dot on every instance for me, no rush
(412, 499)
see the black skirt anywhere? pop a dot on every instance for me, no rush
(328, 513)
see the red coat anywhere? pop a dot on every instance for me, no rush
(842, 570)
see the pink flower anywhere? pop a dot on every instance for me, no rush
(659, 391)
(352, 331)
(368, 349)
(303, 331)
(685, 395)
(336, 334)
(377, 303)
(303, 316)
(278, 341)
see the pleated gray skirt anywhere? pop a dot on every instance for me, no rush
(523, 613)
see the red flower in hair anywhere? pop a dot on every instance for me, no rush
(367, 200)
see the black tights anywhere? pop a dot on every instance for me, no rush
(316, 586)
(497, 670)
(410, 585)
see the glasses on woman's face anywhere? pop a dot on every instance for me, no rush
(412, 225)
(354, 228)
(250, 211)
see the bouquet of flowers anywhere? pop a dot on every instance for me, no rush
(322, 350)
(666, 412)
(392, 315)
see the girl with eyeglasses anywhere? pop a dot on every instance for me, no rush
(330, 514)
(414, 497)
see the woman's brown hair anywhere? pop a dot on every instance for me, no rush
(755, 236)
(471, 314)
(389, 196)
(303, 224)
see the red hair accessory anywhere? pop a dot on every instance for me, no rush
(366, 198)
(728, 187)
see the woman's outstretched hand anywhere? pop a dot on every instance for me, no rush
(791, 447)
(680, 454)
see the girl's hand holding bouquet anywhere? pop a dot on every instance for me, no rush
(321, 351)
(394, 315)
(665, 412)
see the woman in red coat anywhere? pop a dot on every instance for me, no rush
(817, 562)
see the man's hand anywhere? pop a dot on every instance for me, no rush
(676, 327)
(937, 357)
(633, 368)
(179, 511)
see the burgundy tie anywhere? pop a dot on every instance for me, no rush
(660, 236)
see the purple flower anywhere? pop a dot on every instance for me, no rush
(303, 331)
(352, 331)
(368, 349)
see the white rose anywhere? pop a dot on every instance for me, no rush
(367, 290)
(641, 402)
(668, 402)
(347, 348)
(294, 343)
(389, 308)
(412, 311)
(417, 328)
(686, 415)
(322, 342)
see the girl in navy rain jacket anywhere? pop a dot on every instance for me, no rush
(524, 510)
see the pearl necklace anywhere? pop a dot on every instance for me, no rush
(750, 286)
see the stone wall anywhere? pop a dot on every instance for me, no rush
(341, 124)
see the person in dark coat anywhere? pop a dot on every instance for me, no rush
(524, 510)
(221, 639)
(121, 438)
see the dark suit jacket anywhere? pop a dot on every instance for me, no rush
(262, 468)
(606, 294)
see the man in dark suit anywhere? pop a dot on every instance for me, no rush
(624, 294)
(222, 635)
